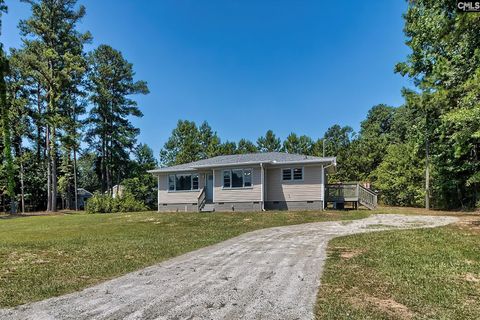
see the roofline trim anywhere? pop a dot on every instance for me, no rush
(211, 166)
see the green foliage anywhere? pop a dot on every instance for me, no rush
(246, 146)
(400, 176)
(298, 145)
(111, 84)
(88, 172)
(102, 203)
(445, 66)
(269, 143)
(141, 184)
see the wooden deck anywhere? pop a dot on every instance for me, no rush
(341, 193)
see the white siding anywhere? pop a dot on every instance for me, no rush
(164, 196)
(310, 189)
(238, 194)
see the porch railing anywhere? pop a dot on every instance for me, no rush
(202, 199)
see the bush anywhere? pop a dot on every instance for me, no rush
(100, 203)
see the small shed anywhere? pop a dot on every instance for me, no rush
(83, 196)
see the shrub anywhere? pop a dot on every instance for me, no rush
(100, 203)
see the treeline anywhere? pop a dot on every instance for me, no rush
(65, 113)
(65, 118)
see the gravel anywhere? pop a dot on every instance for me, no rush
(266, 274)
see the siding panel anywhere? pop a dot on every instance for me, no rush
(238, 195)
(179, 196)
(310, 189)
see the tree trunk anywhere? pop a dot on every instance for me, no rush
(39, 125)
(75, 177)
(49, 172)
(53, 157)
(22, 186)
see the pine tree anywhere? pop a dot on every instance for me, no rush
(111, 133)
(298, 145)
(54, 53)
(246, 146)
(269, 143)
(6, 124)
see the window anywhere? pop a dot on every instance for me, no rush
(227, 177)
(247, 178)
(286, 174)
(183, 182)
(195, 182)
(298, 174)
(237, 178)
(292, 174)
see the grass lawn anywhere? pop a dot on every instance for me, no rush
(411, 274)
(46, 256)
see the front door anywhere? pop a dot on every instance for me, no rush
(209, 189)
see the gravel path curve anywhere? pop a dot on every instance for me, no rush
(265, 274)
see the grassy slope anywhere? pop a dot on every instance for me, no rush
(41, 257)
(413, 274)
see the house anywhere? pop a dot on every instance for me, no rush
(83, 196)
(245, 182)
(116, 191)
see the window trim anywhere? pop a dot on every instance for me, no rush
(175, 182)
(231, 179)
(292, 179)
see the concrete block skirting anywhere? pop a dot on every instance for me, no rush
(238, 206)
(178, 207)
(294, 205)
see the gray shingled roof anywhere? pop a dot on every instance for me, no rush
(249, 158)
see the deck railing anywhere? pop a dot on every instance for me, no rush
(367, 197)
(342, 191)
(351, 192)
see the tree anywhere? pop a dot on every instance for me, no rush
(88, 172)
(444, 65)
(400, 175)
(6, 124)
(53, 51)
(269, 143)
(110, 131)
(183, 146)
(209, 141)
(337, 139)
(141, 184)
(374, 138)
(298, 145)
(228, 148)
(246, 146)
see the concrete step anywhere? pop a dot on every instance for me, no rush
(209, 207)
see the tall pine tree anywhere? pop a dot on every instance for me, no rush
(110, 131)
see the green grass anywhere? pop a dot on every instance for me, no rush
(411, 274)
(46, 256)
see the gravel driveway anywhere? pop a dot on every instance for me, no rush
(266, 274)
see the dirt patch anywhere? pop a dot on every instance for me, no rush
(389, 306)
(470, 277)
(348, 253)
(471, 224)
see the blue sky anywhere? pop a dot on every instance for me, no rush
(249, 66)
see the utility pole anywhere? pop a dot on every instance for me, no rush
(427, 163)
(427, 177)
